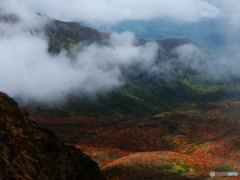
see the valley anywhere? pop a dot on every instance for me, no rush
(151, 128)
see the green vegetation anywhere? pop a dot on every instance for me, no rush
(114, 171)
(223, 167)
(165, 167)
(205, 144)
(180, 169)
(230, 140)
(128, 167)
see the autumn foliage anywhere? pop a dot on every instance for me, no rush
(191, 139)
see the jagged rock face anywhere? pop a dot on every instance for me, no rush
(29, 152)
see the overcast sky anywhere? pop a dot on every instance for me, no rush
(112, 11)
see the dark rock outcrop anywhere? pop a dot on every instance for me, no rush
(29, 152)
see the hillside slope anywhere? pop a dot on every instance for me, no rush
(142, 94)
(65, 34)
(29, 152)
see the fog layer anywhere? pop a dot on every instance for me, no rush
(28, 71)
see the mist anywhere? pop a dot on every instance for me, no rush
(211, 68)
(29, 72)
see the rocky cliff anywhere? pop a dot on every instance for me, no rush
(29, 152)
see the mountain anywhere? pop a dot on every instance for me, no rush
(210, 34)
(169, 44)
(164, 125)
(30, 152)
(64, 34)
(142, 94)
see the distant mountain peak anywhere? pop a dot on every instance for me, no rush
(169, 44)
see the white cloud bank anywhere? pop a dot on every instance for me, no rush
(28, 71)
(112, 11)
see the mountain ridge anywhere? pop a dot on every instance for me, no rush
(72, 32)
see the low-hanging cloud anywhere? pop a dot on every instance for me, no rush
(28, 71)
(210, 67)
(112, 11)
